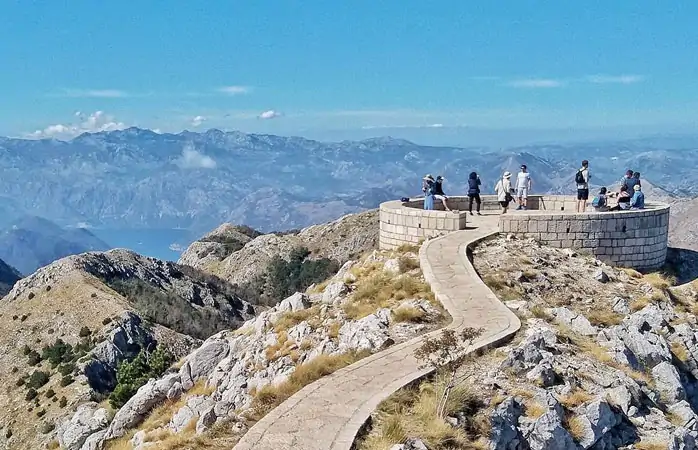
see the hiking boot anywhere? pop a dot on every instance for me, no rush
(519, 208)
(471, 213)
(478, 213)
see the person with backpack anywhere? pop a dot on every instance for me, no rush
(504, 191)
(582, 180)
(474, 192)
(523, 185)
(600, 202)
(428, 190)
(439, 192)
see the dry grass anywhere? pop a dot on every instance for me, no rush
(406, 264)
(650, 445)
(632, 273)
(201, 388)
(575, 398)
(603, 317)
(320, 288)
(407, 248)
(408, 314)
(412, 412)
(577, 427)
(639, 303)
(122, 443)
(680, 352)
(659, 281)
(161, 415)
(268, 397)
(290, 319)
(379, 290)
(525, 260)
(333, 329)
(497, 283)
(534, 410)
(539, 312)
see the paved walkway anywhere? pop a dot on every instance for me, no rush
(328, 414)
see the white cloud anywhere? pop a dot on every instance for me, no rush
(616, 79)
(93, 93)
(92, 123)
(235, 90)
(197, 121)
(536, 83)
(175, 247)
(193, 159)
(270, 114)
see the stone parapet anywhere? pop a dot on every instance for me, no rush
(636, 239)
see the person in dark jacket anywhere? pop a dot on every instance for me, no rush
(474, 192)
(439, 192)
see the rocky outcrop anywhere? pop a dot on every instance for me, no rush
(340, 240)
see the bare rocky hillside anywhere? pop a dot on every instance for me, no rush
(242, 256)
(212, 397)
(65, 329)
(606, 359)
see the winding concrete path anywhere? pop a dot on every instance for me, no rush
(328, 414)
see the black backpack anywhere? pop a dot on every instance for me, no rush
(579, 178)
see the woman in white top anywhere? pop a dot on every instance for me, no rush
(504, 191)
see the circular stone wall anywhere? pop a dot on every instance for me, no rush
(408, 223)
(636, 238)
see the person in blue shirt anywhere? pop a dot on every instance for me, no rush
(637, 201)
(428, 189)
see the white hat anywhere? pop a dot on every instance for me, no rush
(637, 187)
(428, 177)
(507, 174)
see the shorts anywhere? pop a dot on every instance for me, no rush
(582, 194)
(440, 197)
(503, 204)
(522, 192)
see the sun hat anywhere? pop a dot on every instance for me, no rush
(440, 178)
(637, 187)
(428, 177)
(507, 174)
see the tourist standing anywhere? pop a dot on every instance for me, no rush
(582, 180)
(504, 190)
(474, 192)
(523, 185)
(428, 190)
(638, 199)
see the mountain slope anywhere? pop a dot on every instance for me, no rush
(33, 242)
(106, 307)
(8, 277)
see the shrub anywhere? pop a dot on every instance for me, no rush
(58, 353)
(131, 375)
(26, 350)
(283, 278)
(406, 263)
(21, 381)
(24, 317)
(31, 395)
(66, 380)
(66, 369)
(47, 427)
(84, 332)
(63, 402)
(38, 379)
(106, 321)
(93, 295)
(15, 317)
(50, 393)
(31, 295)
(41, 413)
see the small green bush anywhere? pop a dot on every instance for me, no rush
(50, 393)
(66, 380)
(31, 395)
(63, 402)
(47, 427)
(26, 350)
(131, 375)
(66, 369)
(41, 413)
(106, 321)
(84, 332)
(21, 381)
(38, 379)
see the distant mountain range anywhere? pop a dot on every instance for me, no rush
(137, 178)
(32, 242)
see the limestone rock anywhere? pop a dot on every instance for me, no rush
(548, 433)
(334, 292)
(667, 379)
(410, 444)
(87, 420)
(577, 322)
(195, 407)
(369, 333)
(505, 432)
(601, 276)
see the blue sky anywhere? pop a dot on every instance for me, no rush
(292, 67)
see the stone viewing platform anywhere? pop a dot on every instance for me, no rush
(634, 238)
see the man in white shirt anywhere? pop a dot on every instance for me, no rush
(523, 185)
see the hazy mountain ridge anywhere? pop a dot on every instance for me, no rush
(140, 179)
(33, 242)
